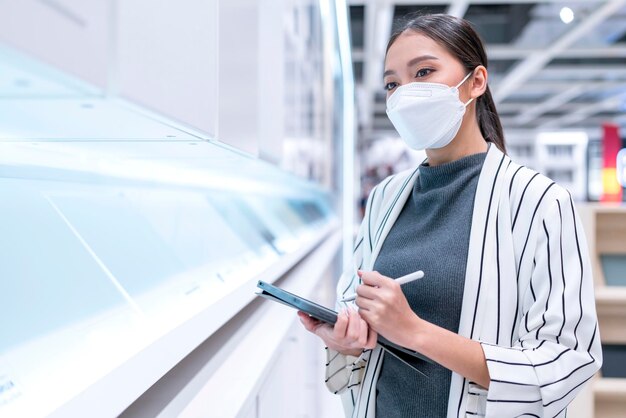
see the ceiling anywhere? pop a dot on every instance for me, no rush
(545, 74)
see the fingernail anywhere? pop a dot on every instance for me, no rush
(359, 272)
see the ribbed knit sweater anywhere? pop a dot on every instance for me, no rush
(431, 234)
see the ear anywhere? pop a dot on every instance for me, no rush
(478, 82)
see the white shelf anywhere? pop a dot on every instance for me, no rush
(610, 397)
(611, 388)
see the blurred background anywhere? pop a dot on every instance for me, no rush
(158, 158)
(555, 69)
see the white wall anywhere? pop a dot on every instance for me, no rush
(166, 58)
(271, 82)
(238, 74)
(72, 35)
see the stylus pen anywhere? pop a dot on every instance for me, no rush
(400, 280)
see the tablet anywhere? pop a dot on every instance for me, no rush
(271, 292)
(311, 308)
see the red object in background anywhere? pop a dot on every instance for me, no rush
(612, 143)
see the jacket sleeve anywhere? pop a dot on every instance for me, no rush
(343, 372)
(558, 349)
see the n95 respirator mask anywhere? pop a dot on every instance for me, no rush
(427, 115)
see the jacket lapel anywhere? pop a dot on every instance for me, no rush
(482, 243)
(391, 210)
(481, 261)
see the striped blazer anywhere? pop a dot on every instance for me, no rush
(528, 297)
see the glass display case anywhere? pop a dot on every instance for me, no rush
(123, 234)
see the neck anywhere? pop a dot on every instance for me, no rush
(469, 140)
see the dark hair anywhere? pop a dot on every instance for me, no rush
(462, 41)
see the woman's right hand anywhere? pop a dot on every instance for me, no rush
(349, 336)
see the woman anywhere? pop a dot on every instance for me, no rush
(506, 308)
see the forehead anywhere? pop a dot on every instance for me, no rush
(413, 44)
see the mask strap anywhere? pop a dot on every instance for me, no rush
(463, 81)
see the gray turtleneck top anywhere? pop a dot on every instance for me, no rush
(430, 234)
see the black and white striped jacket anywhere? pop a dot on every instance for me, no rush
(528, 296)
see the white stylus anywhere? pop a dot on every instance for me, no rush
(400, 280)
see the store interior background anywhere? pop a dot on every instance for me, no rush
(157, 158)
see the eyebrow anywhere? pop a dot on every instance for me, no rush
(411, 63)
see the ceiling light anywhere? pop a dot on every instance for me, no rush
(567, 15)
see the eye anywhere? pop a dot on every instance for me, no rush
(390, 86)
(423, 72)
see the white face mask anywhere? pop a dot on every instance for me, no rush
(427, 115)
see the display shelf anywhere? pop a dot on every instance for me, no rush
(610, 397)
(255, 340)
(611, 231)
(605, 228)
(22, 77)
(106, 272)
(127, 241)
(79, 119)
(611, 308)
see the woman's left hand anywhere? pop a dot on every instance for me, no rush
(384, 307)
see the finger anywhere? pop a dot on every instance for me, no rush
(366, 291)
(354, 326)
(372, 337)
(363, 331)
(309, 323)
(366, 315)
(373, 278)
(364, 304)
(325, 332)
(341, 326)
(305, 316)
(370, 314)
